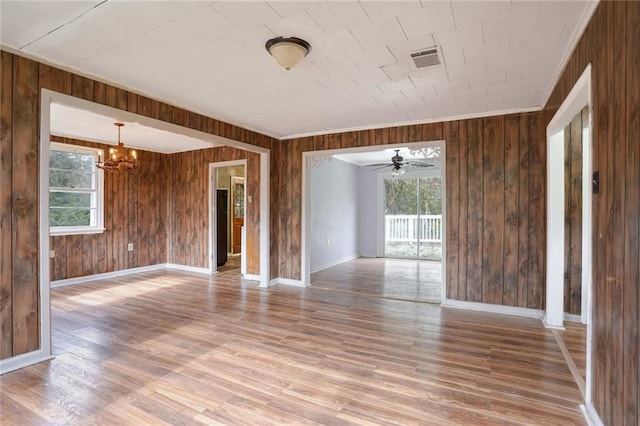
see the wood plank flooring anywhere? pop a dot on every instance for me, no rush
(177, 348)
(402, 279)
(574, 337)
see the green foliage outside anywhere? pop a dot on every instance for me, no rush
(401, 195)
(70, 195)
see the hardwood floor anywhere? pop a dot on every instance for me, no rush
(402, 279)
(177, 348)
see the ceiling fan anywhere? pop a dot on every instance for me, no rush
(398, 165)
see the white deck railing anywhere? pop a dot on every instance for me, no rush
(399, 228)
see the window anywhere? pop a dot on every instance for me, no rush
(75, 190)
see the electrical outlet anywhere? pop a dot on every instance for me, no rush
(329, 241)
(130, 247)
(52, 254)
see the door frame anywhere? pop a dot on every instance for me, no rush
(213, 209)
(308, 159)
(381, 197)
(579, 97)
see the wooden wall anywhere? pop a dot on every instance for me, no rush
(495, 202)
(573, 212)
(135, 211)
(611, 43)
(189, 206)
(21, 80)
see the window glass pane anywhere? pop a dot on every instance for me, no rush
(74, 183)
(70, 217)
(70, 199)
(80, 162)
(70, 179)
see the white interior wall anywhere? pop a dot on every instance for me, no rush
(333, 214)
(367, 206)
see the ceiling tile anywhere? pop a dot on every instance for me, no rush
(465, 12)
(298, 25)
(103, 27)
(486, 52)
(340, 44)
(373, 59)
(539, 40)
(460, 37)
(382, 10)
(436, 16)
(334, 17)
(519, 24)
(399, 70)
(396, 85)
(288, 8)
(247, 15)
(383, 33)
(554, 14)
(24, 22)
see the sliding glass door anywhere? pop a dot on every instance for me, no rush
(413, 217)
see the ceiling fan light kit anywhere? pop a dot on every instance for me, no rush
(288, 51)
(398, 165)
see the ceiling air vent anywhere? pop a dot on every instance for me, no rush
(426, 58)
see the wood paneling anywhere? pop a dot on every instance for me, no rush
(573, 213)
(24, 189)
(495, 243)
(145, 190)
(6, 212)
(189, 206)
(22, 80)
(611, 44)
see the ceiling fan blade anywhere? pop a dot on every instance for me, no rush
(419, 164)
(381, 167)
(379, 164)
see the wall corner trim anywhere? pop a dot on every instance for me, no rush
(591, 415)
(495, 309)
(24, 360)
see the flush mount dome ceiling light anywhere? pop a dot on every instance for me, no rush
(288, 51)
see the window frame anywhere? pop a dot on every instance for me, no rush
(98, 228)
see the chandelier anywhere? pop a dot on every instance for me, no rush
(119, 157)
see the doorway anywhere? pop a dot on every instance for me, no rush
(569, 240)
(368, 199)
(413, 217)
(227, 213)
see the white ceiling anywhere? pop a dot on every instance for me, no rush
(209, 57)
(81, 124)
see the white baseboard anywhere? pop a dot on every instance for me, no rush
(114, 274)
(251, 277)
(286, 281)
(591, 415)
(368, 255)
(495, 309)
(335, 263)
(186, 268)
(20, 361)
(123, 272)
(572, 318)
